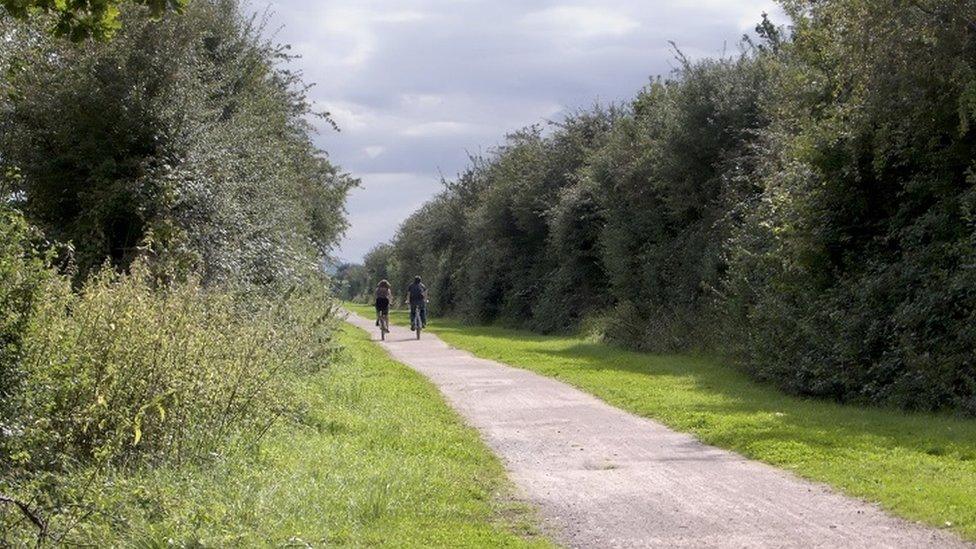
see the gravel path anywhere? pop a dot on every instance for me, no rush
(602, 477)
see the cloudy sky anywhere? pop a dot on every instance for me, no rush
(417, 85)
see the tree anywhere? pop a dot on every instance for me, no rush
(853, 275)
(80, 19)
(183, 138)
(350, 281)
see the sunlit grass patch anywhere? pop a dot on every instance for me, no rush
(376, 458)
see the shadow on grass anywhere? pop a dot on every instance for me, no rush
(713, 396)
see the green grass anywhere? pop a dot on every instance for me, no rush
(378, 460)
(919, 466)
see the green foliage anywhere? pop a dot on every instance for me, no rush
(379, 460)
(853, 277)
(483, 245)
(668, 177)
(806, 207)
(130, 372)
(169, 327)
(354, 282)
(614, 207)
(80, 19)
(374, 457)
(377, 262)
(183, 137)
(349, 283)
(24, 273)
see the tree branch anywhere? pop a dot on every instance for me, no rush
(969, 22)
(31, 516)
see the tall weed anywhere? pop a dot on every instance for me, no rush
(126, 374)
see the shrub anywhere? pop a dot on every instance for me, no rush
(23, 273)
(852, 277)
(188, 132)
(177, 162)
(125, 373)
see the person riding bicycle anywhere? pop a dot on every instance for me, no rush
(417, 296)
(384, 295)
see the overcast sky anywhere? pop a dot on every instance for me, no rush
(415, 85)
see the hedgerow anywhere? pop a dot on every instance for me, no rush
(163, 219)
(805, 207)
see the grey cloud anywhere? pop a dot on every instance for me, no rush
(417, 85)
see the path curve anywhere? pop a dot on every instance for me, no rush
(602, 477)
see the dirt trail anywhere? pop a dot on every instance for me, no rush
(602, 477)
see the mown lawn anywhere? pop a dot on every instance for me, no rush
(919, 466)
(378, 460)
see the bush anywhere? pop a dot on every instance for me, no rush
(126, 374)
(852, 276)
(176, 164)
(23, 273)
(186, 133)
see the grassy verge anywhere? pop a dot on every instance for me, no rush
(378, 460)
(919, 466)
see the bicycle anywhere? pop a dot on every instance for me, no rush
(383, 321)
(418, 316)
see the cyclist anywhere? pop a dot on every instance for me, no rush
(417, 297)
(384, 295)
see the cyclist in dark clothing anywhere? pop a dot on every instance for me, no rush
(384, 295)
(417, 296)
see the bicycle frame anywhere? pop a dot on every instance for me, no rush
(384, 322)
(418, 317)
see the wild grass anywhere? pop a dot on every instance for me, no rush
(377, 459)
(919, 466)
(128, 373)
(370, 456)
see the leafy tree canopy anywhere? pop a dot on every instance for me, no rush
(80, 19)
